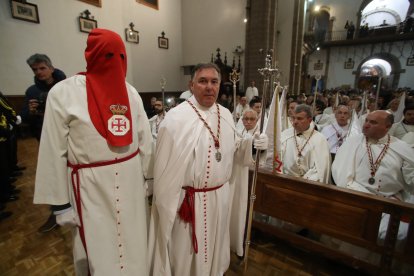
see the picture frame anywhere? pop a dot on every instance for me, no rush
(86, 25)
(349, 64)
(97, 3)
(162, 42)
(410, 61)
(318, 66)
(131, 36)
(149, 3)
(24, 11)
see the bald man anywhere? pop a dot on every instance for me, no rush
(354, 165)
(375, 162)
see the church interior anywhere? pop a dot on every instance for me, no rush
(318, 47)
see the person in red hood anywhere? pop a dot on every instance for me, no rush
(96, 153)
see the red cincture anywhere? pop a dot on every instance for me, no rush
(76, 186)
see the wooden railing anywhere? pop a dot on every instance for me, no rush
(343, 214)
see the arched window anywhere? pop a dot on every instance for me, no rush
(380, 13)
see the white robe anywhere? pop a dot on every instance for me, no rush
(185, 156)
(400, 129)
(240, 190)
(322, 120)
(409, 138)
(251, 92)
(186, 94)
(395, 175)
(328, 110)
(113, 196)
(241, 109)
(394, 179)
(316, 160)
(331, 133)
(155, 122)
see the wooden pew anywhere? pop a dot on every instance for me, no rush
(347, 215)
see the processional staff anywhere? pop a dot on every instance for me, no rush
(234, 77)
(378, 91)
(317, 78)
(163, 82)
(267, 72)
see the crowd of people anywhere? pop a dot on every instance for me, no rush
(163, 191)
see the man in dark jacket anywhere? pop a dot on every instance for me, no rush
(45, 77)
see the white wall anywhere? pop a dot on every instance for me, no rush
(59, 37)
(212, 24)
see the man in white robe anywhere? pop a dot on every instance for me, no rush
(240, 188)
(336, 132)
(241, 107)
(305, 151)
(354, 168)
(400, 129)
(98, 165)
(197, 147)
(156, 120)
(256, 105)
(287, 120)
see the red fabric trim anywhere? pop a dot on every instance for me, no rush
(76, 186)
(187, 209)
(105, 82)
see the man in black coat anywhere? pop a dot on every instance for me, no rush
(45, 77)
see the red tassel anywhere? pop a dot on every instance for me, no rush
(185, 211)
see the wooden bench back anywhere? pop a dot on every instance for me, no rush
(344, 214)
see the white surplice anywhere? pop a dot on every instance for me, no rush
(185, 156)
(239, 200)
(155, 122)
(250, 93)
(113, 196)
(409, 138)
(333, 133)
(394, 179)
(400, 129)
(315, 161)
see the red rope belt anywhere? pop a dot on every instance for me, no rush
(187, 209)
(76, 186)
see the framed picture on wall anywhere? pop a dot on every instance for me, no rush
(410, 61)
(93, 2)
(318, 65)
(162, 42)
(86, 25)
(24, 11)
(349, 64)
(150, 3)
(131, 36)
